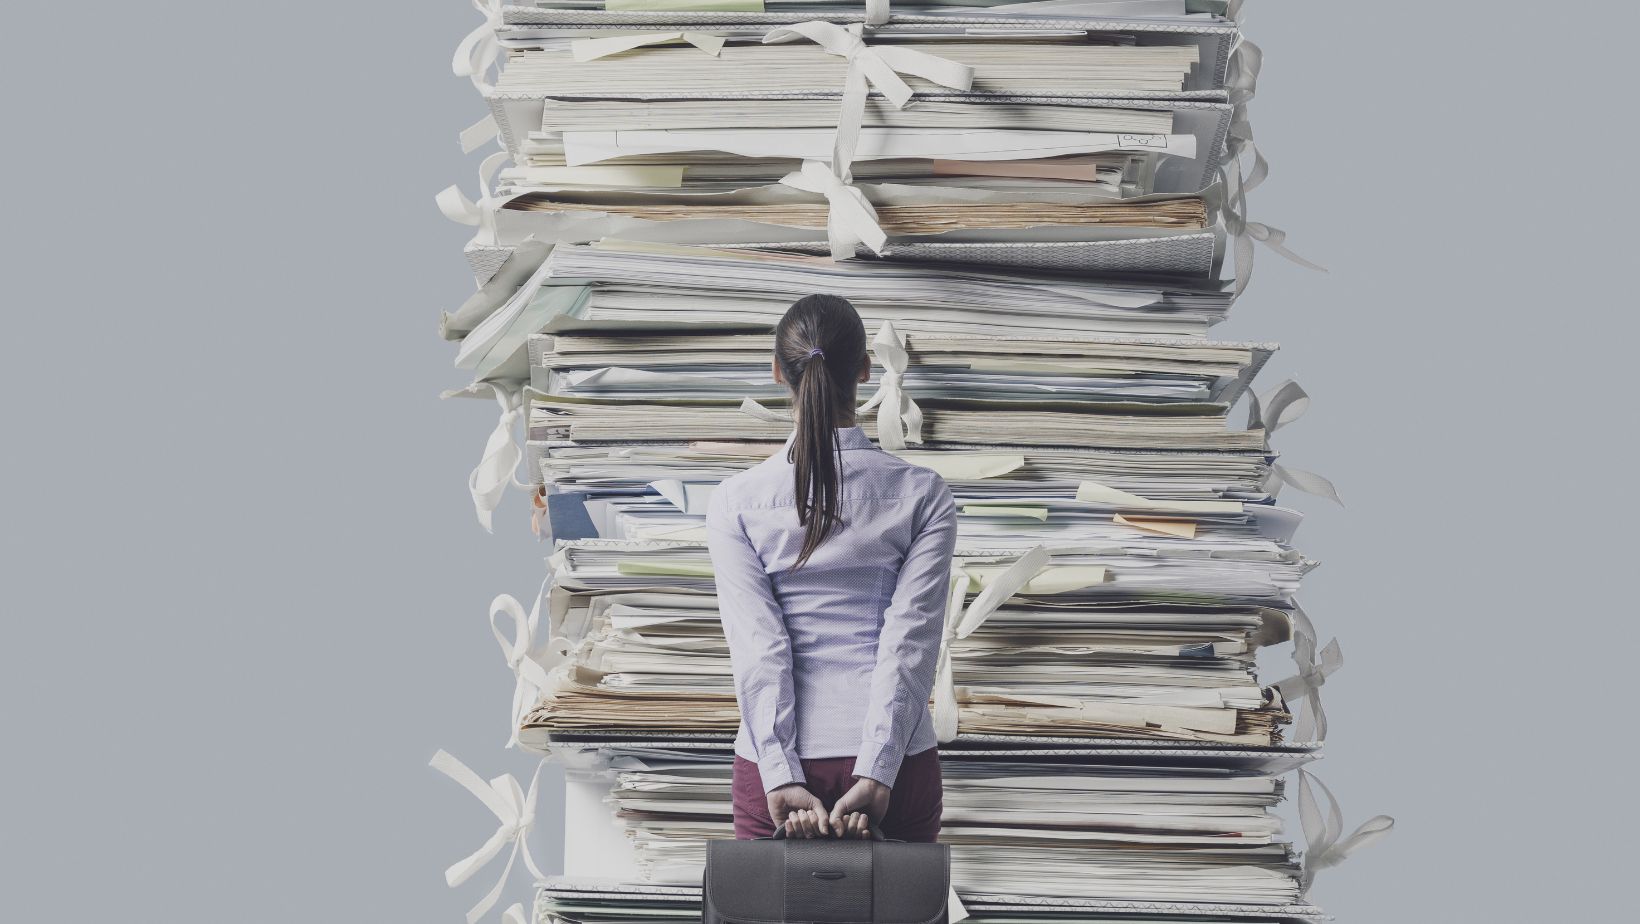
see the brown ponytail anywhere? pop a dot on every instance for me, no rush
(820, 345)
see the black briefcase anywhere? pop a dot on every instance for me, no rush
(779, 880)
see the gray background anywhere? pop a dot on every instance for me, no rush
(245, 595)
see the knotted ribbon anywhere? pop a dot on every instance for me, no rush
(530, 653)
(513, 806)
(1242, 84)
(960, 623)
(1312, 674)
(478, 51)
(868, 67)
(498, 467)
(850, 219)
(458, 208)
(1323, 844)
(899, 419)
(1275, 409)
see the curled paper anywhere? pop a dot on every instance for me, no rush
(514, 807)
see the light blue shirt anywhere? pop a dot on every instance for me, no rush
(836, 658)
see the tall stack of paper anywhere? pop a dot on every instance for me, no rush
(1030, 204)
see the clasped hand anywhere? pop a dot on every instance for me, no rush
(803, 815)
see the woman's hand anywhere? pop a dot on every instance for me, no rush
(799, 810)
(866, 797)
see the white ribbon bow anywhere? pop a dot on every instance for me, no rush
(530, 653)
(458, 208)
(1275, 409)
(516, 810)
(1242, 85)
(961, 624)
(850, 220)
(498, 467)
(1323, 844)
(899, 419)
(478, 51)
(1312, 674)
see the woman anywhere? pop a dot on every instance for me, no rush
(833, 566)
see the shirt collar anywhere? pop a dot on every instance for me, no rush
(847, 438)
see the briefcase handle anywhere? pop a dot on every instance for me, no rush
(876, 835)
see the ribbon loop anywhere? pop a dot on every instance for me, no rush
(513, 807)
(458, 208)
(899, 419)
(879, 67)
(478, 51)
(851, 220)
(1273, 410)
(529, 654)
(1324, 843)
(1312, 674)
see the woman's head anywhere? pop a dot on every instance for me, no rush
(820, 354)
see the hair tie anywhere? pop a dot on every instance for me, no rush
(817, 352)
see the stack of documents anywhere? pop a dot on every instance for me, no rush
(1147, 636)
(1030, 205)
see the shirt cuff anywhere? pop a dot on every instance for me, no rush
(880, 762)
(779, 769)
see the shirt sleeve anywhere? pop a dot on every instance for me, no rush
(760, 651)
(909, 646)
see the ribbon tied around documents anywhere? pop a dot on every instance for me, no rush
(899, 419)
(1241, 84)
(851, 220)
(870, 66)
(458, 208)
(960, 623)
(498, 467)
(1313, 671)
(513, 806)
(1273, 410)
(1324, 843)
(478, 51)
(530, 653)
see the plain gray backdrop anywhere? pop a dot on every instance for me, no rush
(245, 594)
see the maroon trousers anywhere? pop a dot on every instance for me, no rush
(913, 810)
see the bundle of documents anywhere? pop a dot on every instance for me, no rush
(1033, 206)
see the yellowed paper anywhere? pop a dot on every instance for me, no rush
(1184, 529)
(1092, 492)
(966, 466)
